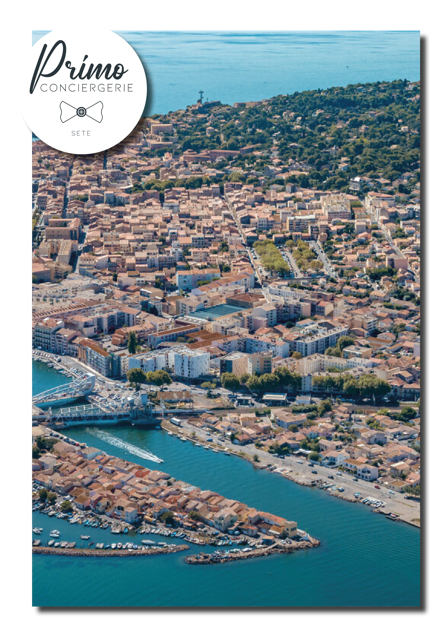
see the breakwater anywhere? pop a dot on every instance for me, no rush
(109, 553)
(244, 554)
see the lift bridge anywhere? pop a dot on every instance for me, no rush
(90, 413)
(66, 393)
(57, 405)
(94, 412)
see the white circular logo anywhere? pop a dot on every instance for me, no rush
(84, 92)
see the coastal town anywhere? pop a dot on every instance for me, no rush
(246, 277)
(85, 486)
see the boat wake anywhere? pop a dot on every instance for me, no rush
(122, 444)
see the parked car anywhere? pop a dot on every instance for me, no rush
(314, 471)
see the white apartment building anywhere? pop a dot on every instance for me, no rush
(320, 362)
(276, 346)
(153, 361)
(318, 339)
(44, 333)
(187, 280)
(189, 363)
(264, 316)
(184, 362)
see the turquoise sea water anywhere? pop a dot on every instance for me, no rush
(45, 378)
(364, 561)
(243, 66)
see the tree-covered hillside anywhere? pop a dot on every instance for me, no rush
(370, 130)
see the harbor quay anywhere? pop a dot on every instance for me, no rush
(396, 507)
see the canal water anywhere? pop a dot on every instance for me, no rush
(365, 560)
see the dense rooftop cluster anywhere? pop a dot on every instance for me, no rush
(269, 246)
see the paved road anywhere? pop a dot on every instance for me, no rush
(290, 466)
(293, 264)
(244, 241)
(323, 258)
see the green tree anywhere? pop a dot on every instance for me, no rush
(51, 497)
(314, 456)
(324, 407)
(254, 384)
(286, 379)
(158, 378)
(230, 381)
(36, 453)
(66, 506)
(136, 376)
(43, 494)
(333, 351)
(167, 517)
(344, 341)
(132, 342)
(406, 414)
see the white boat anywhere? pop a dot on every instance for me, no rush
(37, 530)
(85, 537)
